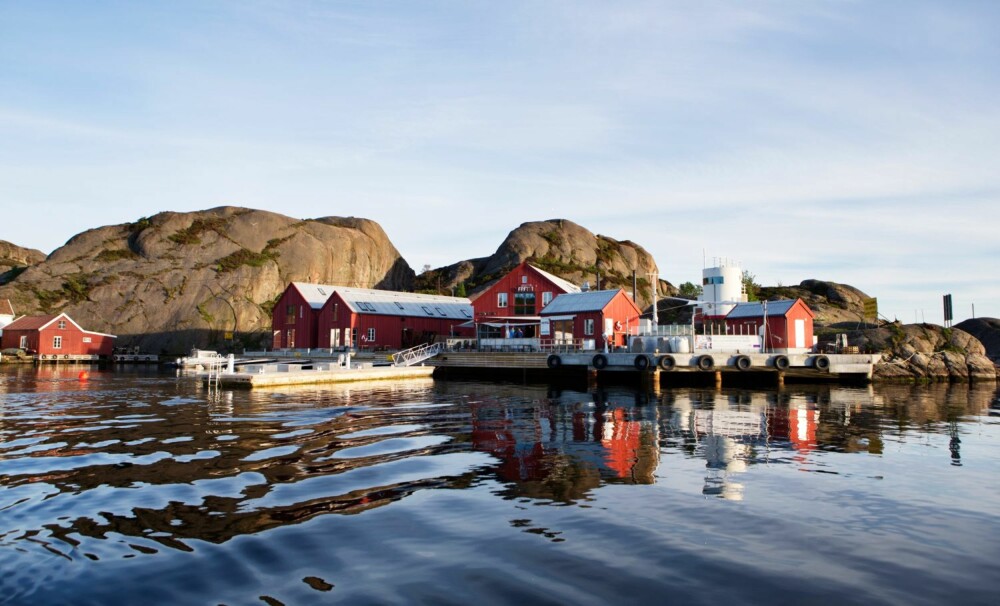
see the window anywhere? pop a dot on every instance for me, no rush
(588, 326)
(87, 340)
(427, 310)
(524, 303)
(371, 335)
(465, 312)
(24, 342)
(56, 342)
(62, 324)
(290, 314)
(321, 291)
(501, 299)
(290, 338)
(546, 298)
(713, 280)
(354, 337)
(399, 305)
(440, 311)
(524, 279)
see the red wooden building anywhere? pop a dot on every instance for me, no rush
(789, 324)
(607, 316)
(55, 337)
(364, 318)
(520, 295)
(295, 318)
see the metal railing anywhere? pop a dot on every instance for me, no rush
(415, 355)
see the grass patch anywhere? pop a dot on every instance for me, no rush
(118, 254)
(192, 233)
(241, 257)
(554, 238)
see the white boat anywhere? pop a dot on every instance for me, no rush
(199, 358)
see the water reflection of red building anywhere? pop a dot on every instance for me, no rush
(519, 448)
(620, 437)
(613, 442)
(797, 425)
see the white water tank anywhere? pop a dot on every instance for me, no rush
(721, 288)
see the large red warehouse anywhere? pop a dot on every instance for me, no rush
(789, 323)
(55, 337)
(363, 318)
(606, 316)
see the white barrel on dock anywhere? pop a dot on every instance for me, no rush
(679, 345)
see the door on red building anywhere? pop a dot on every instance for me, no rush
(335, 337)
(290, 338)
(276, 340)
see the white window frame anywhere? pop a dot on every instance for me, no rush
(57, 342)
(546, 297)
(62, 325)
(371, 334)
(501, 300)
(588, 326)
(24, 341)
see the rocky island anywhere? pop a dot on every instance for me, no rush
(173, 281)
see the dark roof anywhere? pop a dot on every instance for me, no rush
(29, 322)
(756, 309)
(577, 302)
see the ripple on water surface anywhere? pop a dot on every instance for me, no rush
(141, 487)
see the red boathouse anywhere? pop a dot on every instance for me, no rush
(55, 337)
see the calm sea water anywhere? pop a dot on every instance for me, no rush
(139, 487)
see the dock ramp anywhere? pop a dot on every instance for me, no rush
(416, 355)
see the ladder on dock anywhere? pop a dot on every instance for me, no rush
(214, 368)
(415, 355)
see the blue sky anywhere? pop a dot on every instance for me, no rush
(848, 141)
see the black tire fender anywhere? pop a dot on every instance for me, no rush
(706, 362)
(600, 361)
(667, 362)
(641, 362)
(553, 361)
(822, 363)
(743, 362)
(781, 362)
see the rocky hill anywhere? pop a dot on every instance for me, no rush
(925, 352)
(834, 304)
(179, 280)
(987, 330)
(14, 260)
(559, 247)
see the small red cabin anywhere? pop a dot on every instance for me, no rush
(523, 292)
(789, 323)
(607, 316)
(364, 318)
(55, 337)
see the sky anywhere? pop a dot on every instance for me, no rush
(855, 142)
